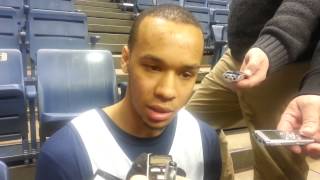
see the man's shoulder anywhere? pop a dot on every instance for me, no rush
(62, 155)
(61, 142)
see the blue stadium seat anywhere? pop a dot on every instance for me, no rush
(176, 2)
(145, 4)
(220, 32)
(217, 4)
(4, 175)
(220, 16)
(202, 14)
(9, 29)
(197, 3)
(18, 5)
(58, 5)
(220, 41)
(70, 82)
(13, 120)
(49, 29)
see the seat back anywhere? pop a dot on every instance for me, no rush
(220, 41)
(73, 81)
(12, 3)
(4, 175)
(217, 4)
(176, 2)
(202, 14)
(9, 28)
(145, 4)
(220, 32)
(220, 16)
(10, 67)
(49, 29)
(58, 5)
(197, 3)
(18, 5)
(13, 123)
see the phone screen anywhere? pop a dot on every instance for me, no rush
(283, 135)
(275, 134)
(276, 138)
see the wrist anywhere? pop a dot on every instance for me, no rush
(274, 50)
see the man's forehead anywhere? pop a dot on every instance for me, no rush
(160, 24)
(158, 28)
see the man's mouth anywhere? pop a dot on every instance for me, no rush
(158, 113)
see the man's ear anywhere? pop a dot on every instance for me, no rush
(125, 55)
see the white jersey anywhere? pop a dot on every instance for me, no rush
(106, 154)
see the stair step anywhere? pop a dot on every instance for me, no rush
(25, 172)
(104, 21)
(98, 4)
(110, 15)
(97, 0)
(114, 48)
(244, 175)
(111, 38)
(239, 146)
(238, 139)
(95, 8)
(108, 29)
(117, 61)
(242, 159)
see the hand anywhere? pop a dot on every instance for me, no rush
(255, 65)
(142, 177)
(303, 114)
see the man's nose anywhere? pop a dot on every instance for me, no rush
(166, 87)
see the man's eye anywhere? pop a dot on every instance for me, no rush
(187, 75)
(153, 67)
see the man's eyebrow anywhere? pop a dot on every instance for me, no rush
(158, 60)
(152, 58)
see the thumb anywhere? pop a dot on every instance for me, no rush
(310, 122)
(250, 66)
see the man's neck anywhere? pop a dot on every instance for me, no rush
(128, 120)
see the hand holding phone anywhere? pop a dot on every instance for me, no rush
(281, 138)
(234, 76)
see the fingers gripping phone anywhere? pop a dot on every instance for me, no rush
(234, 76)
(281, 138)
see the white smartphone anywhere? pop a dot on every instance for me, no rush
(281, 138)
(234, 76)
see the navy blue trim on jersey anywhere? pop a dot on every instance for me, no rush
(64, 157)
(134, 146)
(211, 152)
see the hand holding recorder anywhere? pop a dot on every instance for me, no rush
(303, 115)
(255, 65)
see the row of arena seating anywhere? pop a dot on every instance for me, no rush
(215, 4)
(212, 15)
(46, 64)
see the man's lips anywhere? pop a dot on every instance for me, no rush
(158, 113)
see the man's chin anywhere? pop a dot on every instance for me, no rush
(156, 127)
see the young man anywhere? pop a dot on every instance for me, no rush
(162, 60)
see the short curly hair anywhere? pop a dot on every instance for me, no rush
(169, 12)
